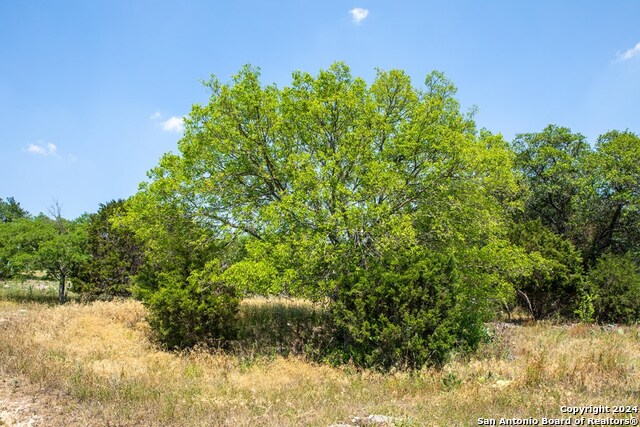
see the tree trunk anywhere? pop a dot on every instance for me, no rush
(61, 289)
(529, 306)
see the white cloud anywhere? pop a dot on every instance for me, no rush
(634, 51)
(41, 149)
(37, 149)
(359, 14)
(173, 124)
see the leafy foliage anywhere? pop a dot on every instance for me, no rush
(305, 190)
(551, 164)
(555, 281)
(614, 283)
(115, 255)
(10, 210)
(20, 242)
(63, 254)
(188, 299)
(404, 312)
(55, 246)
(200, 311)
(610, 202)
(587, 197)
(322, 174)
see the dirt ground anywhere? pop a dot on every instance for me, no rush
(25, 405)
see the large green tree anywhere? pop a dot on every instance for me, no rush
(328, 172)
(329, 177)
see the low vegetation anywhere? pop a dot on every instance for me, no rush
(104, 365)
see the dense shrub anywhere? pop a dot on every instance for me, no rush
(201, 310)
(614, 283)
(115, 255)
(557, 276)
(403, 312)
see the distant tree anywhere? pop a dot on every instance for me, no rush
(10, 210)
(614, 284)
(610, 201)
(552, 286)
(20, 242)
(114, 253)
(62, 256)
(550, 162)
(53, 245)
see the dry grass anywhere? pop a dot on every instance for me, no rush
(100, 356)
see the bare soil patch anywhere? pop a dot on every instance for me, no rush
(23, 404)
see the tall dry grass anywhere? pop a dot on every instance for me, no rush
(101, 356)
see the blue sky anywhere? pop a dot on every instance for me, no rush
(91, 91)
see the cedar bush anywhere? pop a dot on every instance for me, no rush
(114, 255)
(557, 276)
(403, 312)
(615, 284)
(201, 310)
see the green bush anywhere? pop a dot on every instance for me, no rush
(404, 312)
(114, 255)
(556, 279)
(200, 311)
(615, 284)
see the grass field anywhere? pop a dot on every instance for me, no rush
(100, 362)
(33, 290)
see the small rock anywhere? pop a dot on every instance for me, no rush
(374, 420)
(501, 383)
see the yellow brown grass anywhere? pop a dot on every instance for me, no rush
(101, 356)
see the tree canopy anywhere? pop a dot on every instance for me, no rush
(55, 246)
(330, 177)
(329, 172)
(10, 210)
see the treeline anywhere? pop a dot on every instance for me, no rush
(383, 201)
(89, 253)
